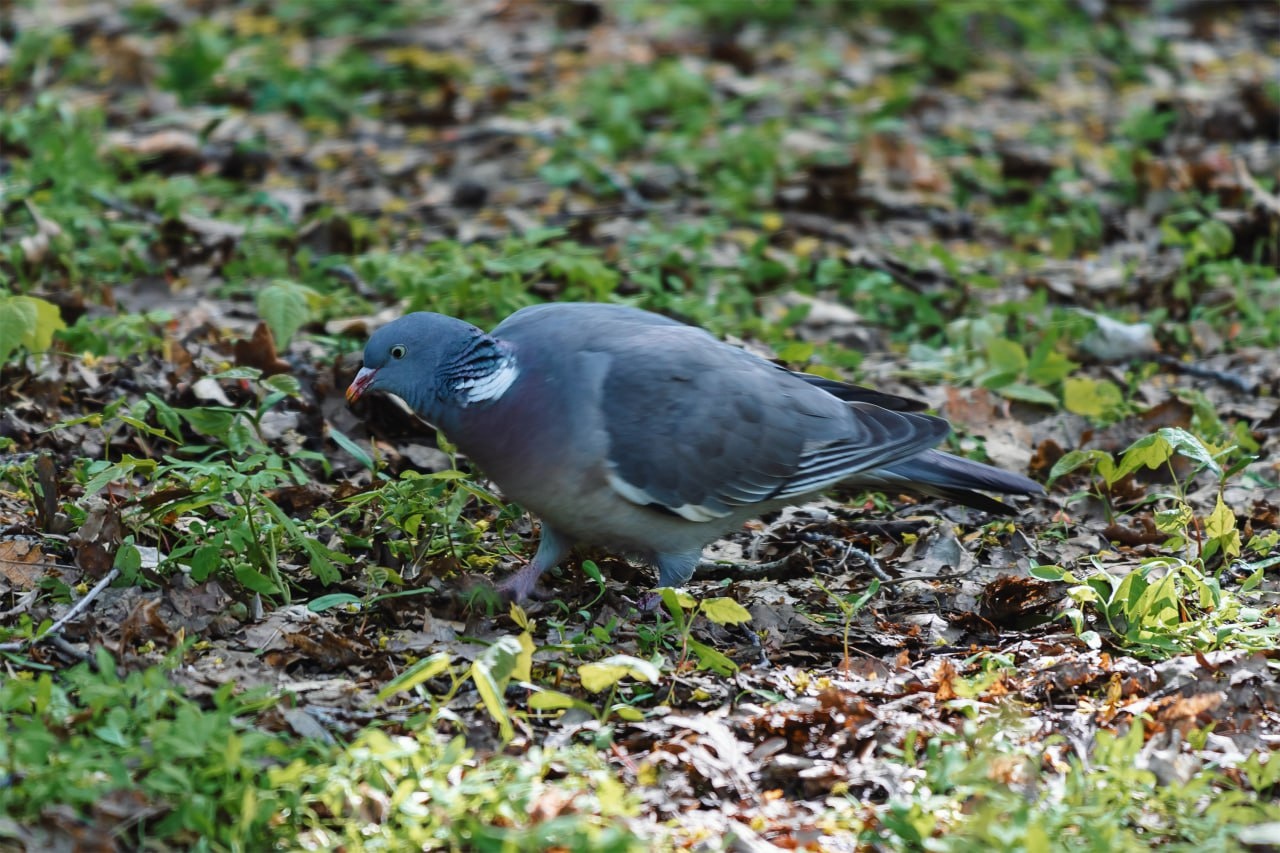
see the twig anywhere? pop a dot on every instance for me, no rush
(1269, 201)
(76, 610)
(759, 570)
(1224, 377)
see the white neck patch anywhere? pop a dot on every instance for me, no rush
(490, 386)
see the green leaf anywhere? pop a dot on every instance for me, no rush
(1220, 526)
(1150, 450)
(239, 436)
(677, 600)
(421, 672)
(1214, 238)
(1048, 573)
(284, 383)
(522, 671)
(357, 452)
(332, 600)
(206, 421)
(591, 570)
(603, 674)
(254, 580)
(128, 560)
(283, 306)
(1191, 447)
(490, 673)
(1027, 394)
(491, 691)
(1049, 366)
(553, 700)
(1079, 459)
(500, 659)
(27, 322)
(672, 600)
(725, 611)
(1006, 356)
(712, 659)
(205, 561)
(1093, 398)
(15, 319)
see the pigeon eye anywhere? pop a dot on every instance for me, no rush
(397, 351)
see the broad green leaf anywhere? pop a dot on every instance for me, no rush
(167, 417)
(725, 611)
(1214, 238)
(1221, 527)
(491, 673)
(1006, 355)
(712, 659)
(676, 599)
(491, 695)
(592, 571)
(320, 564)
(332, 600)
(673, 601)
(500, 659)
(1048, 366)
(205, 561)
(1173, 519)
(48, 321)
(603, 674)
(211, 422)
(1048, 573)
(524, 660)
(128, 560)
(553, 700)
(1191, 447)
(422, 671)
(283, 305)
(254, 580)
(284, 383)
(15, 319)
(27, 322)
(237, 373)
(1093, 398)
(1079, 459)
(1027, 394)
(450, 474)
(239, 437)
(1150, 450)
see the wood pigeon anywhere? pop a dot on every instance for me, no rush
(628, 430)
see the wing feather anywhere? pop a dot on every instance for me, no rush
(700, 428)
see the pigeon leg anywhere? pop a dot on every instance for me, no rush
(551, 550)
(675, 569)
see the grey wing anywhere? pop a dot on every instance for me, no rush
(699, 428)
(861, 394)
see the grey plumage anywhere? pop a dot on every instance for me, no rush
(628, 430)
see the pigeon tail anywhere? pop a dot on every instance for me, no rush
(951, 477)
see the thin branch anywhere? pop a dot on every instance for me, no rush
(76, 609)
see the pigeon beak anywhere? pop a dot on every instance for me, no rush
(360, 384)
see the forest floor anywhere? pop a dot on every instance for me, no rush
(1058, 224)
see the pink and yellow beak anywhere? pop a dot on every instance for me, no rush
(360, 384)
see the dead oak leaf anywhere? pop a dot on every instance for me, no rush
(22, 563)
(260, 351)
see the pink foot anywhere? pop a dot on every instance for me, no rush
(521, 586)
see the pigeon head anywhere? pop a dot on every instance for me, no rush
(433, 363)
